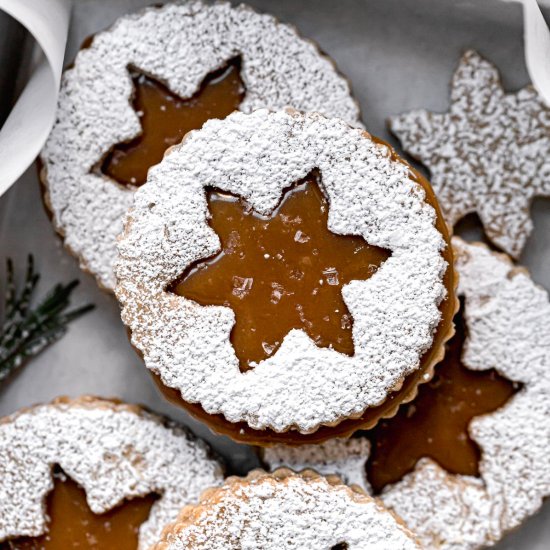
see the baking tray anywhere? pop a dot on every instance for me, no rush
(398, 55)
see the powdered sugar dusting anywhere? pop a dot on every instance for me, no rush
(293, 512)
(113, 451)
(451, 512)
(489, 154)
(257, 156)
(345, 457)
(508, 319)
(179, 44)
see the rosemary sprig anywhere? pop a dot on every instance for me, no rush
(27, 330)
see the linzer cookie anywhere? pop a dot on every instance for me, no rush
(286, 277)
(286, 510)
(90, 473)
(137, 88)
(464, 488)
(487, 154)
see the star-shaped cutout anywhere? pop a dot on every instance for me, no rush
(489, 154)
(166, 118)
(435, 424)
(280, 272)
(73, 525)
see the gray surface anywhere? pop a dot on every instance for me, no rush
(398, 54)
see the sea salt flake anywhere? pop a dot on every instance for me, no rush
(277, 293)
(269, 348)
(301, 237)
(233, 242)
(345, 322)
(331, 276)
(242, 286)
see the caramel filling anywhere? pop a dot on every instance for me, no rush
(280, 272)
(73, 525)
(435, 424)
(166, 118)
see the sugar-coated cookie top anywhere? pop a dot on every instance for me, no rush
(178, 44)
(286, 511)
(146, 455)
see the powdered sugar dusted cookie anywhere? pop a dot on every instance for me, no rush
(507, 316)
(300, 385)
(286, 510)
(489, 154)
(114, 451)
(178, 45)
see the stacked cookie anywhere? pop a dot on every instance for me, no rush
(291, 282)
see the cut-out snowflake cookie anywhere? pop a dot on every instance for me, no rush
(488, 154)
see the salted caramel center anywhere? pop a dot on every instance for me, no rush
(280, 272)
(435, 424)
(166, 118)
(73, 525)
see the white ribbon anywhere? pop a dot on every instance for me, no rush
(27, 127)
(537, 48)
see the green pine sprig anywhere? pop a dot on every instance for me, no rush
(27, 330)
